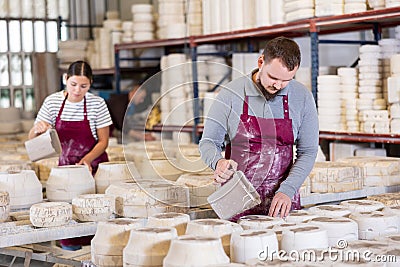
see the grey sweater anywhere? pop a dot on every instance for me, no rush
(224, 117)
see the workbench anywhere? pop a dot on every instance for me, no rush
(19, 238)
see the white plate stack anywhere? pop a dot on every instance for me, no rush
(354, 6)
(278, 229)
(114, 172)
(176, 105)
(375, 224)
(394, 94)
(349, 94)
(109, 34)
(242, 14)
(363, 205)
(329, 103)
(127, 32)
(259, 222)
(330, 210)
(299, 216)
(148, 246)
(263, 17)
(377, 4)
(297, 10)
(203, 251)
(276, 13)
(171, 19)
(68, 182)
(143, 22)
(214, 228)
(374, 121)
(194, 17)
(247, 245)
(389, 47)
(338, 228)
(328, 8)
(170, 219)
(4, 206)
(304, 236)
(23, 187)
(110, 239)
(370, 87)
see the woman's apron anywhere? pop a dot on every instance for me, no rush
(76, 141)
(263, 149)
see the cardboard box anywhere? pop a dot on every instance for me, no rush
(46, 145)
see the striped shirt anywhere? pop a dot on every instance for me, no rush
(98, 114)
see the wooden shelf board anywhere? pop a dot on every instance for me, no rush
(360, 137)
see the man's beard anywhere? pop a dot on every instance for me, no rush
(262, 89)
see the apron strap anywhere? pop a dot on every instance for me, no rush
(62, 106)
(246, 106)
(84, 108)
(285, 107)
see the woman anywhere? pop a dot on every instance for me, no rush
(82, 122)
(80, 118)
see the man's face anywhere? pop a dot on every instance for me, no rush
(273, 76)
(139, 96)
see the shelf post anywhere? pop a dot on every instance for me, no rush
(196, 104)
(377, 30)
(117, 72)
(314, 61)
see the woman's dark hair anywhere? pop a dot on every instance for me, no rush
(285, 50)
(80, 68)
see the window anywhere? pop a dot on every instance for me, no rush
(20, 38)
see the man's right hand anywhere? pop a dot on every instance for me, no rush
(224, 170)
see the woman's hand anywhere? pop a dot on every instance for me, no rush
(86, 162)
(39, 128)
(224, 170)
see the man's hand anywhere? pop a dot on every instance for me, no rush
(224, 170)
(281, 203)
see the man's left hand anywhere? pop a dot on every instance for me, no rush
(280, 204)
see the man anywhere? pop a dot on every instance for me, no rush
(264, 114)
(122, 110)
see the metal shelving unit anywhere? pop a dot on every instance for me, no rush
(373, 20)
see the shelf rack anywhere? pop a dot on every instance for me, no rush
(313, 27)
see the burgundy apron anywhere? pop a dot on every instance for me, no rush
(76, 140)
(263, 149)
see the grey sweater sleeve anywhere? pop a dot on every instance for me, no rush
(307, 149)
(215, 129)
